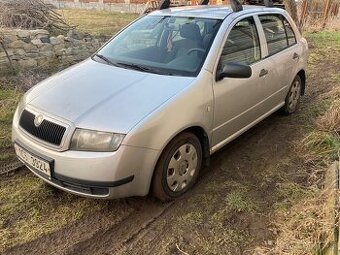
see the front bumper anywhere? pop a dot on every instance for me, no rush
(123, 173)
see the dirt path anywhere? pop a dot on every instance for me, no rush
(228, 211)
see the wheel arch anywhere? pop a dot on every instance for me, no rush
(202, 136)
(302, 75)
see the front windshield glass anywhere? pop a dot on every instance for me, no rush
(162, 44)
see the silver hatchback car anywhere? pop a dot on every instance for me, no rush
(149, 108)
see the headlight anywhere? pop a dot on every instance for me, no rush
(89, 140)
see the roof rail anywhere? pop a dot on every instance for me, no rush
(204, 2)
(236, 6)
(164, 4)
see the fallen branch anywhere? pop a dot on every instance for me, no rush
(31, 14)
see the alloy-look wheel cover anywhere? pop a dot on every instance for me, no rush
(294, 95)
(182, 167)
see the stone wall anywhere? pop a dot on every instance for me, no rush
(33, 48)
(131, 6)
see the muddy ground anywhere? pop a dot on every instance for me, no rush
(230, 209)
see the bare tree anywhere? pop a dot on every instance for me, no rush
(292, 9)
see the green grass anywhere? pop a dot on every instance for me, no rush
(8, 102)
(97, 22)
(28, 205)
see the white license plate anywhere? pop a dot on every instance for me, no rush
(32, 160)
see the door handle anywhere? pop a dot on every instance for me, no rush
(263, 72)
(296, 56)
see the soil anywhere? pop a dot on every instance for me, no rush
(204, 221)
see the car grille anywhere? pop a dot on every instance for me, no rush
(47, 131)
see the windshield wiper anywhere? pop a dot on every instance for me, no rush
(105, 59)
(138, 67)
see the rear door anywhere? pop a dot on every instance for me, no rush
(282, 50)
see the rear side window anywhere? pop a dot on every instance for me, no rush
(275, 33)
(290, 32)
(279, 33)
(242, 45)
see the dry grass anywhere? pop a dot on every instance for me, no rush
(97, 22)
(305, 223)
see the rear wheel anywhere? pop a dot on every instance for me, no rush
(178, 167)
(293, 96)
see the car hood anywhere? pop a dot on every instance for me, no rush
(101, 97)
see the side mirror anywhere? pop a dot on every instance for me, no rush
(234, 71)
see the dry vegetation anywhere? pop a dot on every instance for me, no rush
(30, 14)
(307, 225)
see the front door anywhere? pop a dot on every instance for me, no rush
(240, 102)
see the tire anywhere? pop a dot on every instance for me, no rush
(177, 168)
(293, 97)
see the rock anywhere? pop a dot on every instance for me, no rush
(23, 34)
(45, 39)
(27, 62)
(61, 37)
(10, 38)
(30, 48)
(17, 44)
(76, 34)
(38, 33)
(19, 52)
(37, 42)
(32, 55)
(47, 53)
(56, 40)
(46, 47)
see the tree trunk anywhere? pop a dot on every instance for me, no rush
(292, 9)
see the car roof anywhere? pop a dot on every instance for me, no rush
(209, 11)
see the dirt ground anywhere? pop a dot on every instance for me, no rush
(229, 211)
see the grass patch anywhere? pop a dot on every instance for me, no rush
(9, 99)
(97, 23)
(28, 205)
(238, 200)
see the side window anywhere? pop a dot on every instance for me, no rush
(275, 33)
(242, 45)
(290, 32)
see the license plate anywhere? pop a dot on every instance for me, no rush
(33, 161)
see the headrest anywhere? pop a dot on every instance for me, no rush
(190, 31)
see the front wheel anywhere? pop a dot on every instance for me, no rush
(178, 167)
(293, 96)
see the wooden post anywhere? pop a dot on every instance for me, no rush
(326, 13)
(303, 16)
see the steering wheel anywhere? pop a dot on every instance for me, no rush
(195, 49)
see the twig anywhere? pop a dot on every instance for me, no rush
(179, 249)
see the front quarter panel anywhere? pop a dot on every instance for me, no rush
(191, 107)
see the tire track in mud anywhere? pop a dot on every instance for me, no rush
(116, 239)
(99, 233)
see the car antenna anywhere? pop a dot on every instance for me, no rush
(236, 6)
(204, 2)
(268, 3)
(164, 4)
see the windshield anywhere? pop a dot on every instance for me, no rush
(162, 44)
